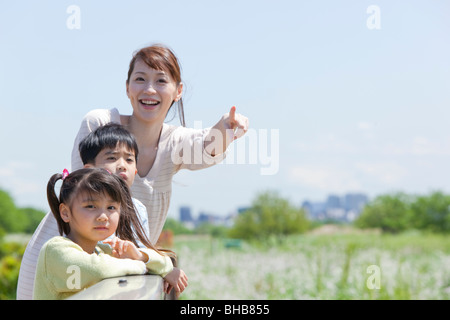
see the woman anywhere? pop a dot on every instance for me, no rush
(153, 86)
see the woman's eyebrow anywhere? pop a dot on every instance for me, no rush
(160, 73)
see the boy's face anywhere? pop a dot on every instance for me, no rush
(120, 161)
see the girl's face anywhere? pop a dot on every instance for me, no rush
(152, 92)
(92, 218)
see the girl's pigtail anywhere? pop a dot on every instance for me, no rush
(53, 201)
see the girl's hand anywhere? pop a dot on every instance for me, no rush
(176, 279)
(124, 249)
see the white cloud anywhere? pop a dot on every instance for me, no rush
(419, 146)
(17, 179)
(361, 176)
(386, 172)
(364, 125)
(6, 173)
(423, 146)
(325, 178)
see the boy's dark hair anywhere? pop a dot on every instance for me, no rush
(107, 136)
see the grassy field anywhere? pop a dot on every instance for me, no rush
(327, 264)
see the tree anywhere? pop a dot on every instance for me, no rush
(176, 227)
(32, 219)
(269, 215)
(10, 219)
(399, 212)
(391, 213)
(13, 219)
(432, 212)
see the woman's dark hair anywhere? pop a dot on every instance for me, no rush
(106, 136)
(98, 181)
(160, 57)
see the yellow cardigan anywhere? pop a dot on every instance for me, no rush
(64, 268)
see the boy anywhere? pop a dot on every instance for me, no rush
(113, 148)
(110, 147)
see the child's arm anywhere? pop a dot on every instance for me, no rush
(176, 279)
(65, 267)
(154, 262)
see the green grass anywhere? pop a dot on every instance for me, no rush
(337, 266)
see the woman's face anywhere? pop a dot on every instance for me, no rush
(152, 92)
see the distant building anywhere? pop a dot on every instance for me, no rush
(205, 218)
(190, 222)
(186, 217)
(333, 201)
(185, 214)
(315, 210)
(355, 201)
(344, 209)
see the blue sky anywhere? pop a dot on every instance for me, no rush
(355, 109)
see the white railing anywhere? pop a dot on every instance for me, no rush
(139, 287)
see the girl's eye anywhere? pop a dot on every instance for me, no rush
(162, 81)
(89, 206)
(139, 79)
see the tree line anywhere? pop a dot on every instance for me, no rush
(400, 211)
(14, 219)
(271, 215)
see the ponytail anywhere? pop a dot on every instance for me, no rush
(54, 203)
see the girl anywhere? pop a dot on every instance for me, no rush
(93, 204)
(153, 86)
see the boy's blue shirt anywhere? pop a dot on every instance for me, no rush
(141, 211)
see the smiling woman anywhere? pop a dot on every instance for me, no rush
(153, 86)
(154, 83)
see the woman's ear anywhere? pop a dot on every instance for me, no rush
(64, 212)
(179, 91)
(127, 86)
